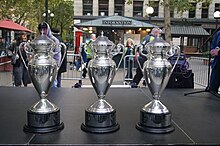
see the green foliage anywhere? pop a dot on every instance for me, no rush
(205, 54)
(31, 12)
(185, 5)
(129, 2)
(181, 5)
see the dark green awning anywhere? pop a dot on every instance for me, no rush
(184, 30)
(115, 22)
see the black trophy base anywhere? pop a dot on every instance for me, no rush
(100, 122)
(43, 123)
(155, 123)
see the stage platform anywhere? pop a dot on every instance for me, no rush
(195, 117)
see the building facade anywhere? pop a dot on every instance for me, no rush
(200, 15)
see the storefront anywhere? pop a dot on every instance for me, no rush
(116, 28)
(8, 32)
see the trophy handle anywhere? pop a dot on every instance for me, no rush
(64, 53)
(118, 49)
(173, 51)
(26, 46)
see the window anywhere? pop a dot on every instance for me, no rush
(103, 7)
(171, 13)
(192, 11)
(87, 7)
(155, 5)
(138, 8)
(119, 7)
(205, 10)
(217, 6)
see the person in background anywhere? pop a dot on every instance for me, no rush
(89, 54)
(44, 28)
(20, 73)
(129, 48)
(63, 66)
(2, 46)
(148, 38)
(215, 78)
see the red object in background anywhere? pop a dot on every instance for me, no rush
(5, 64)
(78, 40)
(8, 24)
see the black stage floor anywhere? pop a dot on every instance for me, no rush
(196, 117)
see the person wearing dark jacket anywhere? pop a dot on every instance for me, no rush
(20, 73)
(138, 76)
(63, 66)
(215, 78)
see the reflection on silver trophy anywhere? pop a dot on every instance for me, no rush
(43, 116)
(154, 116)
(100, 117)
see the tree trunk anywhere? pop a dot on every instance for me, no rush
(167, 20)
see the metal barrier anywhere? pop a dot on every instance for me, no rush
(128, 65)
(72, 73)
(6, 77)
(200, 67)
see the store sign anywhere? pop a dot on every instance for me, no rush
(116, 22)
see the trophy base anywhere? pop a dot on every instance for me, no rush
(155, 123)
(100, 122)
(43, 123)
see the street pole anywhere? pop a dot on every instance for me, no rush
(149, 11)
(46, 7)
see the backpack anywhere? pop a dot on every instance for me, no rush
(182, 65)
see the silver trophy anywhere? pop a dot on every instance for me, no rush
(100, 117)
(43, 116)
(154, 116)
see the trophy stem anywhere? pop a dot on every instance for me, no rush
(156, 96)
(43, 95)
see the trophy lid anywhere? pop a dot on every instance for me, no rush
(159, 42)
(102, 41)
(42, 42)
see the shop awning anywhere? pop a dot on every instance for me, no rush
(8, 24)
(115, 22)
(180, 30)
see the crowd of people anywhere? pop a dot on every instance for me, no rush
(131, 54)
(20, 73)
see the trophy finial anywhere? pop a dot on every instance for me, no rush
(102, 33)
(42, 32)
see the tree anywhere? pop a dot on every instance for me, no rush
(30, 12)
(181, 6)
(167, 20)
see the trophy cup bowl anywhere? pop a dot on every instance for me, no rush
(154, 116)
(43, 116)
(100, 117)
